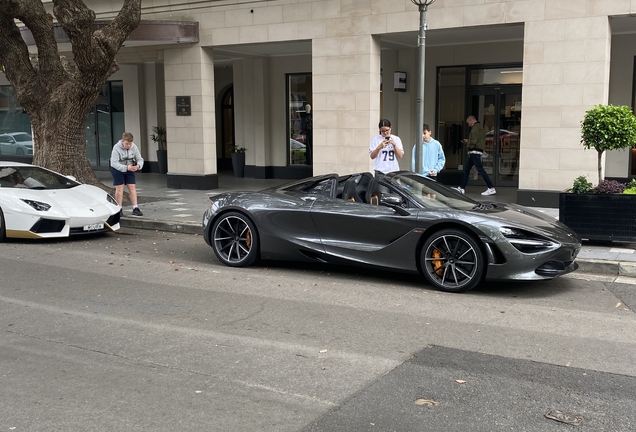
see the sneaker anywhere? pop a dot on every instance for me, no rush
(137, 212)
(460, 190)
(489, 191)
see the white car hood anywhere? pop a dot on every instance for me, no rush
(75, 201)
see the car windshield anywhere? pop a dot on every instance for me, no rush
(429, 193)
(33, 178)
(22, 137)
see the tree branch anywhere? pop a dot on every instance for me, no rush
(95, 51)
(14, 53)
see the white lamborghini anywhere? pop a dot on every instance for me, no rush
(39, 203)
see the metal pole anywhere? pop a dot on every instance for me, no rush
(419, 109)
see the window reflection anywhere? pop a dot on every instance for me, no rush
(300, 118)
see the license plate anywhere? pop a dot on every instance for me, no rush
(93, 227)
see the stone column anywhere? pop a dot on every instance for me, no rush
(565, 73)
(346, 95)
(189, 71)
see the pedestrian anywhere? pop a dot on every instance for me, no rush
(433, 158)
(476, 142)
(125, 160)
(385, 149)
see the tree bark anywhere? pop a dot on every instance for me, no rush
(57, 98)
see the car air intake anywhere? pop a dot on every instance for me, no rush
(43, 226)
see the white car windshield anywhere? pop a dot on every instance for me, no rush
(23, 138)
(33, 178)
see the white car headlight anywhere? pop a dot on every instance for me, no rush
(39, 206)
(110, 199)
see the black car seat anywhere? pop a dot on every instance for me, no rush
(373, 192)
(362, 185)
(349, 192)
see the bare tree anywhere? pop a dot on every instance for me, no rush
(57, 98)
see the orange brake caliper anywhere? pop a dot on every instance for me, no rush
(437, 263)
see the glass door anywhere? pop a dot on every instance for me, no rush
(105, 124)
(498, 109)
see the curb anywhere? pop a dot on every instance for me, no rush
(161, 225)
(593, 266)
(606, 267)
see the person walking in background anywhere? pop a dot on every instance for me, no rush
(476, 142)
(433, 158)
(125, 160)
(385, 149)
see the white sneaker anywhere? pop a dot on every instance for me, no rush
(460, 190)
(489, 191)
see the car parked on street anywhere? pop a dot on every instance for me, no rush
(16, 143)
(39, 203)
(403, 222)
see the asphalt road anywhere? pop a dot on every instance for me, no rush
(146, 331)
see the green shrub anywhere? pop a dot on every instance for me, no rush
(581, 185)
(608, 127)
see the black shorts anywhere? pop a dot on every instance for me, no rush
(122, 178)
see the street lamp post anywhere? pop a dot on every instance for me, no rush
(419, 108)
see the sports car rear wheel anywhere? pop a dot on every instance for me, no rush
(452, 261)
(235, 240)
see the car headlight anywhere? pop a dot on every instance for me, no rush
(111, 200)
(39, 206)
(526, 241)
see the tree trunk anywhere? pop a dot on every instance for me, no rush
(60, 125)
(600, 166)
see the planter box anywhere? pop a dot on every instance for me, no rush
(238, 164)
(606, 217)
(162, 161)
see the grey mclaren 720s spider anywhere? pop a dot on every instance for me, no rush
(402, 222)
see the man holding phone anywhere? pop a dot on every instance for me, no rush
(385, 149)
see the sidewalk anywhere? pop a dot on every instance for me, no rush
(181, 210)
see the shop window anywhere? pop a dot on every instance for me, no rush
(299, 118)
(451, 96)
(12, 117)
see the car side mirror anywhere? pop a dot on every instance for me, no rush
(394, 201)
(391, 199)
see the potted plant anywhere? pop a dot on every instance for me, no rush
(605, 212)
(159, 136)
(238, 161)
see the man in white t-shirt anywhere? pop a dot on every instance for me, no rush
(385, 149)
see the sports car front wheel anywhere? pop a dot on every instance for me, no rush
(235, 240)
(452, 261)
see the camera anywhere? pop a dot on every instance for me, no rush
(134, 162)
(387, 138)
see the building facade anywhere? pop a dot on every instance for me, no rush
(302, 85)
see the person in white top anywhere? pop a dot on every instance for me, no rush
(385, 149)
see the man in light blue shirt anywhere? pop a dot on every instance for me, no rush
(433, 158)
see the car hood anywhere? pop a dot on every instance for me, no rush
(524, 217)
(66, 200)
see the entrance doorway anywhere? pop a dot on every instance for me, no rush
(105, 124)
(498, 109)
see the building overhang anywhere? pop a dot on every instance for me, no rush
(146, 34)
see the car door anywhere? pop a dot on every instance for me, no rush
(5, 144)
(361, 232)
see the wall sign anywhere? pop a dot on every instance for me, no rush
(399, 81)
(184, 107)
